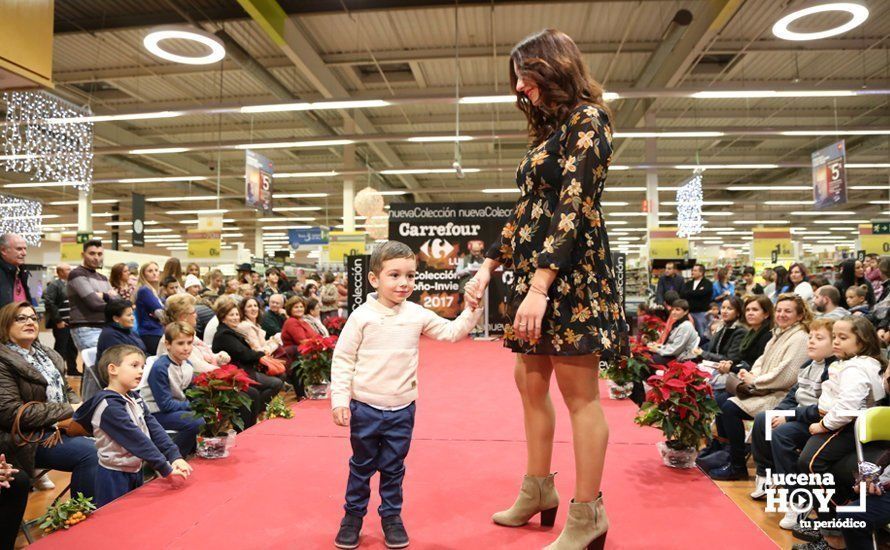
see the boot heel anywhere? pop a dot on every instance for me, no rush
(598, 543)
(548, 517)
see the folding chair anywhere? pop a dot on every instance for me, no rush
(27, 525)
(874, 425)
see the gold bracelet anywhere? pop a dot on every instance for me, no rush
(539, 291)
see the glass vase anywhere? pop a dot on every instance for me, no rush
(213, 447)
(318, 391)
(620, 391)
(676, 458)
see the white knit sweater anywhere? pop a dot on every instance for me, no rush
(376, 357)
(852, 385)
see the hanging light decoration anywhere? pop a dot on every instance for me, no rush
(689, 204)
(36, 143)
(21, 216)
(377, 225)
(368, 202)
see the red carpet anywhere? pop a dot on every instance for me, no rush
(282, 486)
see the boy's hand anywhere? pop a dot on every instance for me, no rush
(817, 428)
(182, 468)
(342, 416)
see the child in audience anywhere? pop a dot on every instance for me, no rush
(679, 339)
(374, 385)
(127, 435)
(857, 299)
(712, 320)
(163, 387)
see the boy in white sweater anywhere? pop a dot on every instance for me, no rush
(374, 385)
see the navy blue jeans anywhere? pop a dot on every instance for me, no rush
(73, 454)
(113, 484)
(731, 426)
(186, 427)
(876, 514)
(380, 442)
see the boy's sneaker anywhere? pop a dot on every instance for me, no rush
(44, 484)
(792, 519)
(760, 484)
(348, 535)
(394, 533)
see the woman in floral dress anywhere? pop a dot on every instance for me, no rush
(564, 304)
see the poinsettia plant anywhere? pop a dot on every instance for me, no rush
(681, 404)
(315, 359)
(650, 327)
(335, 325)
(217, 397)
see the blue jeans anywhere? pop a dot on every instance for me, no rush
(380, 442)
(701, 322)
(186, 427)
(113, 484)
(73, 454)
(85, 337)
(876, 514)
(731, 425)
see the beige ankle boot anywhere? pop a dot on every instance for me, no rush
(586, 527)
(538, 494)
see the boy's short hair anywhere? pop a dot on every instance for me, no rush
(116, 308)
(390, 250)
(681, 303)
(176, 329)
(713, 304)
(114, 356)
(748, 271)
(822, 323)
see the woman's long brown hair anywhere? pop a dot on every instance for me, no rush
(552, 62)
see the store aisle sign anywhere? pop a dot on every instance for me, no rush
(258, 172)
(313, 235)
(874, 238)
(346, 243)
(830, 176)
(138, 219)
(772, 244)
(71, 249)
(205, 241)
(664, 244)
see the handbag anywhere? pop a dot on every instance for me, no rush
(274, 367)
(735, 386)
(22, 439)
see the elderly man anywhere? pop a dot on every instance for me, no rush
(274, 319)
(58, 315)
(13, 278)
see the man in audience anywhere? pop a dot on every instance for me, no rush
(697, 291)
(88, 292)
(13, 278)
(669, 280)
(274, 319)
(826, 301)
(58, 315)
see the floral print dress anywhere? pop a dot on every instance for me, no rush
(558, 224)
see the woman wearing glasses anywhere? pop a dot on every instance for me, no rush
(33, 374)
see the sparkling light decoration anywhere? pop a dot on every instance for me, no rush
(21, 216)
(689, 204)
(44, 150)
(377, 225)
(368, 202)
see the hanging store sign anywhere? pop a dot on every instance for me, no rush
(772, 244)
(138, 219)
(313, 235)
(346, 243)
(71, 249)
(258, 172)
(874, 238)
(205, 241)
(830, 176)
(664, 244)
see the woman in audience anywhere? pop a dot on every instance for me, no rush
(782, 283)
(149, 309)
(173, 268)
(33, 373)
(679, 338)
(857, 297)
(853, 274)
(750, 286)
(229, 340)
(329, 296)
(798, 282)
(119, 319)
(296, 329)
(744, 351)
(765, 384)
(193, 269)
(250, 328)
(119, 279)
(182, 308)
(723, 287)
(273, 284)
(313, 317)
(214, 283)
(731, 332)
(310, 289)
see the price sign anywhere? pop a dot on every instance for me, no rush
(664, 244)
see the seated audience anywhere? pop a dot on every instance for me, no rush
(679, 338)
(126, 433)
(797, 282)
(730, 331)
(744, 351)
(313, 317)
(119, 319)
(182, 309)
(750, 286)
(275, 317)
(826, 301)
(250, 328)
(296, 329)
(856, 300)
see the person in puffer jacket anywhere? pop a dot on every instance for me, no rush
(127, 435)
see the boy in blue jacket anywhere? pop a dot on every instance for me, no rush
(164, 388)
(127, 436)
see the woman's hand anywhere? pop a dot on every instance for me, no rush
(778, 421)
(475, 287)
(529, 317)
(7, 472)
(817, 428)
(724, 367)
(746, 377)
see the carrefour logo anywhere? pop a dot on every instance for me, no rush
(437, 248)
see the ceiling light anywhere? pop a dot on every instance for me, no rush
(822, 213)
(626, 189)
(840, 222)
(185, 212)
(42, 184)
(284, 219)
(295, 144)
(180, 199)
(859, 15)
(292, 226)
(316, 106)
(163, 179)
(770, 188)
(613, 203)
(412, 171)
(484, 99)
(820, 133)
(158, 230)
(709, 214)
(296, 209)
(159, 151)
(760, 222)
(75, 203)
(667, 134)
(725, 166)
(125, 224)
(868, 165)
(152, 43)
(298, 195)
(306, 174)
(788, 203)
(869, 187)
(761, 94)
(704, 203)
(114, 118)
(497, 190)
(392, 193)
(439, 139)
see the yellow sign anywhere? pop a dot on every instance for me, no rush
(205, 241)
(664, 244)
(871, 243)
(71, 249)
(204, 248)
(770, 243)
(346, 243)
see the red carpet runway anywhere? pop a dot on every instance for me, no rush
(282, 486)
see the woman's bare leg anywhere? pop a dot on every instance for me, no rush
(532, 375)
(577, 378)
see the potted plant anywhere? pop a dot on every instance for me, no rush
(681, 404)
(315, 365)
(623, 374)
(335, 325)
(650, 328)
(217, 397)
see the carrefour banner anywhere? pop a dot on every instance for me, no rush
(258, 173)
(450, 240)
(830, 176)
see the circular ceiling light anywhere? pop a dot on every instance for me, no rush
(152, 43)
(858, 12)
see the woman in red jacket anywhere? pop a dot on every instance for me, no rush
(296, 329)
